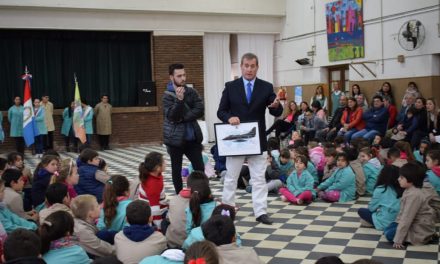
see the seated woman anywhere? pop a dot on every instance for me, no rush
(287, 123)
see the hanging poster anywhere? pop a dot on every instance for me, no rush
(345, 30)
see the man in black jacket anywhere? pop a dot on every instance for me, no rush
(246, 100)
(330, 132)
(182, 107)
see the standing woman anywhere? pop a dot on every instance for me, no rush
(320, 97)
(336, 95)
(88, 120)
(15, 117)
(287, 122)
(40, 122)
(433, 119)
(385, 90)
(67, 128)
(103, 113)
(356, 92)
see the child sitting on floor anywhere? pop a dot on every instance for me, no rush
(112, 218)
(151, 187)
(330, 163)
(394, 157)
(299, 184)
(86, 212)
(341, 186)
(57, 199)
(42, 175)
(13, 199)
(176, 231)
(9, 220)
(421, 152)
(22, 246)
(415, 223)
(221, 231)
(433, 165)
(371, 167)
(197, 233)
(139, 239)
(385, 203)
(68, 175)
(201, 205)
(57, 243)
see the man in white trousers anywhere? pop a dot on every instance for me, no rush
(245, 100)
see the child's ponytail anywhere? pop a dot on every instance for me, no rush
(116, 186)
(200, 194)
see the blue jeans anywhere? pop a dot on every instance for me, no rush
(390, 231)
(347, 135)
(367, 134)
(366, 215)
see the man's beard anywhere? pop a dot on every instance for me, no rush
(182, 83)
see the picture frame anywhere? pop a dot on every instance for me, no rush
(240, 140)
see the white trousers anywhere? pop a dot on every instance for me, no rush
(257, 168)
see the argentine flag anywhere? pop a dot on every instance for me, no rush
(29, 128)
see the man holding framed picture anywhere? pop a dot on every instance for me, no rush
(245, 100)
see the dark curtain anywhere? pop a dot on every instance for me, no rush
(111, 63)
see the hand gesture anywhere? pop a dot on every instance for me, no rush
(180, 91)
(275, 103)
(235, 121)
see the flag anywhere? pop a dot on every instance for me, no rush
(29, 128)
(78, 121)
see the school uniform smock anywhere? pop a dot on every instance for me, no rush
(40, 121)
(371, 171)
(88, 119)
(342, 180)
(67, 122)
(384, 206)
(15, 117)
(197, 235)
(69, 254)
(119, 221)
(12, 221)
(298, 185)
(206, 210)
(433, 177)
(312, 170)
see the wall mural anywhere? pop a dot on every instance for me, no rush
(345, 30)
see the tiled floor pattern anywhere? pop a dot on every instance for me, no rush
(300, 234)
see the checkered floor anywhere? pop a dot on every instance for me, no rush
(300, 234)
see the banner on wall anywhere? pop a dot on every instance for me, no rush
(298, 94)
(345, 29)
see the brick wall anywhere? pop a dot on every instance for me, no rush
(136, 125)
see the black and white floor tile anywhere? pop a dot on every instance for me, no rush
(300, 234)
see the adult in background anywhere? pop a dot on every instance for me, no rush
(376, 119)
(329, 133)
(320, 97)
(48, 117)
(336, 94)
(87, 116)
(287, 123)
(182, 107)
(103, 113)
(2, 133)
(15, 117)
(40, 123)
(243, 100)
(67, 128)
(386, 90)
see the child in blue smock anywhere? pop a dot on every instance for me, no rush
(299, 184)
(433, 173)
(57, 243)
(201, 205)
(420, 153)
(115, 201)
(302, 150)
(10, 220)
(196, 234)
(341, 186)
(371, 167)
(385, 203)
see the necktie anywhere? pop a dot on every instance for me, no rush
(249, 92)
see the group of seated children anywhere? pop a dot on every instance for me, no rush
(90, 216)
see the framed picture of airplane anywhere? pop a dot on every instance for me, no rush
(241, 140)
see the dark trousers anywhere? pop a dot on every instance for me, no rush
(19, 145)
(279, 126)
(49, 141)
(390, 231)
(39, 144)
(193, 151)
(104, 141)
(366, 215)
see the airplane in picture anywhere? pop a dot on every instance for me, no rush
(242, 137)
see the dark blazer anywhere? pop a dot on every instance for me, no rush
(234, 103)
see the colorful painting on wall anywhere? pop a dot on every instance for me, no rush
(345, 30)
